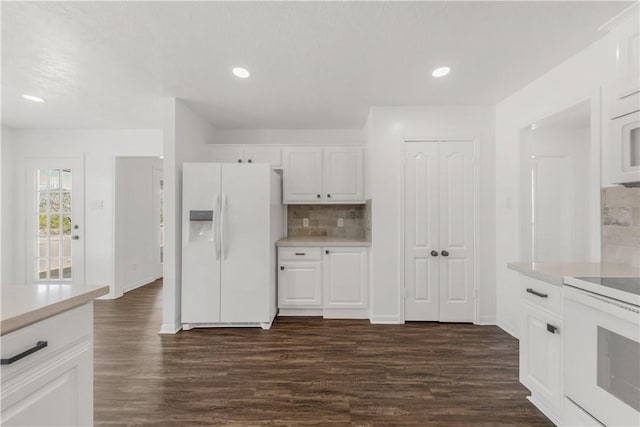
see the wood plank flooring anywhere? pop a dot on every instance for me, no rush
(304, 371)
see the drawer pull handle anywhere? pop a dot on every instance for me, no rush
(551, 328)
(299, 253)
(39, 346)
(536, 293)
(282, 268)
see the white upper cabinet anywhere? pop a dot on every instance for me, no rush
(323, 175)
(302, 175)
(343, 174)
(626, 36)
(247, 154)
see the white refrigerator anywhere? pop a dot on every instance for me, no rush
(232, 215)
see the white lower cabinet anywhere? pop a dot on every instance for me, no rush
(344, 278)
(541, 347)
(330, 282)
(53, 386)
(300, 284)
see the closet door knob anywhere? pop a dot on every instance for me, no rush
(318, 196)
(444, 253)
(282, 268)
(239, 160)
(434, 253)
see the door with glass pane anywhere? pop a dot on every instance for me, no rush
(55, 225)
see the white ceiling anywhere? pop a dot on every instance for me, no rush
(314, 64)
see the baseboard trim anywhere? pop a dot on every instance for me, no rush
(139, 283)
(506, 328)
(487, 320)
(385, 320)
(170, 329)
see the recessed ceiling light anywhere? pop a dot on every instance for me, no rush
(243, 73)
(33, 98)
(161, 157)
(441, 72)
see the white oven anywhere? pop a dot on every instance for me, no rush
(601, 344)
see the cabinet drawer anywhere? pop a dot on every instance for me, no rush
(542, 294)
(60, 331)
(294, 254)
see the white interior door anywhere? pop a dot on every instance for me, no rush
(55, 220)
(439, 231)
(456, 231)
(421, 231)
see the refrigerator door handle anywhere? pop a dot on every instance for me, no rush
(216, 229)
(223, 214)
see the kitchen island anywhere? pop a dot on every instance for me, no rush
(46, 345)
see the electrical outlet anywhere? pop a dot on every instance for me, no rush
(305, 222)
(340, 222)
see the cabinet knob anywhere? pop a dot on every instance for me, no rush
(444, 253)
(434, 253)
(329, 196)
(326, 252)
(239, 160)
(249, 161)
(551, 328)
(318, 196)
(282, 267)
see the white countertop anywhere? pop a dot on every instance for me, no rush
(23, 305)
(312, 241)
(555, 272)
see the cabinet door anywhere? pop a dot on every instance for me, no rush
(627, 54)
(302, 175)
(343, 175)
(344, 277)
(269, 155)
(299, 285)
(226, 154)
(540, 355)
(56, 392)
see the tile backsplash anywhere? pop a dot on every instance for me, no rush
(323, 220)
(621, 225)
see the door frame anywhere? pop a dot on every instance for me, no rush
(401, 224)
(114, 290)
(27, 161)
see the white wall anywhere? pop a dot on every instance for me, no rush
(578, 79)
(98, 148)
(137, 243)
(6, 206)
(387, 129)
(186, 135)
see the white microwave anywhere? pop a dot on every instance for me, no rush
(625, 146)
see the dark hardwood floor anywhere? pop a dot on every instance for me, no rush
(304, 371)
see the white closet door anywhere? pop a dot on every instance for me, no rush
(421, 231)
(456, 212)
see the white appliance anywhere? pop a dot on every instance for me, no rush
(232, 215)
(602, 348)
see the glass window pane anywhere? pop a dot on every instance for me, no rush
(66, 225)
(54, 179)
(66, 246)
(42, 225)
(41, 247)
(41, 268)
(43, 201)
(66, 179)
(54, 246)
(66, 201)
(67, 268)
(42, 179)
(634, 147)
(54, 268)
(54, 201)
(54, 225)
